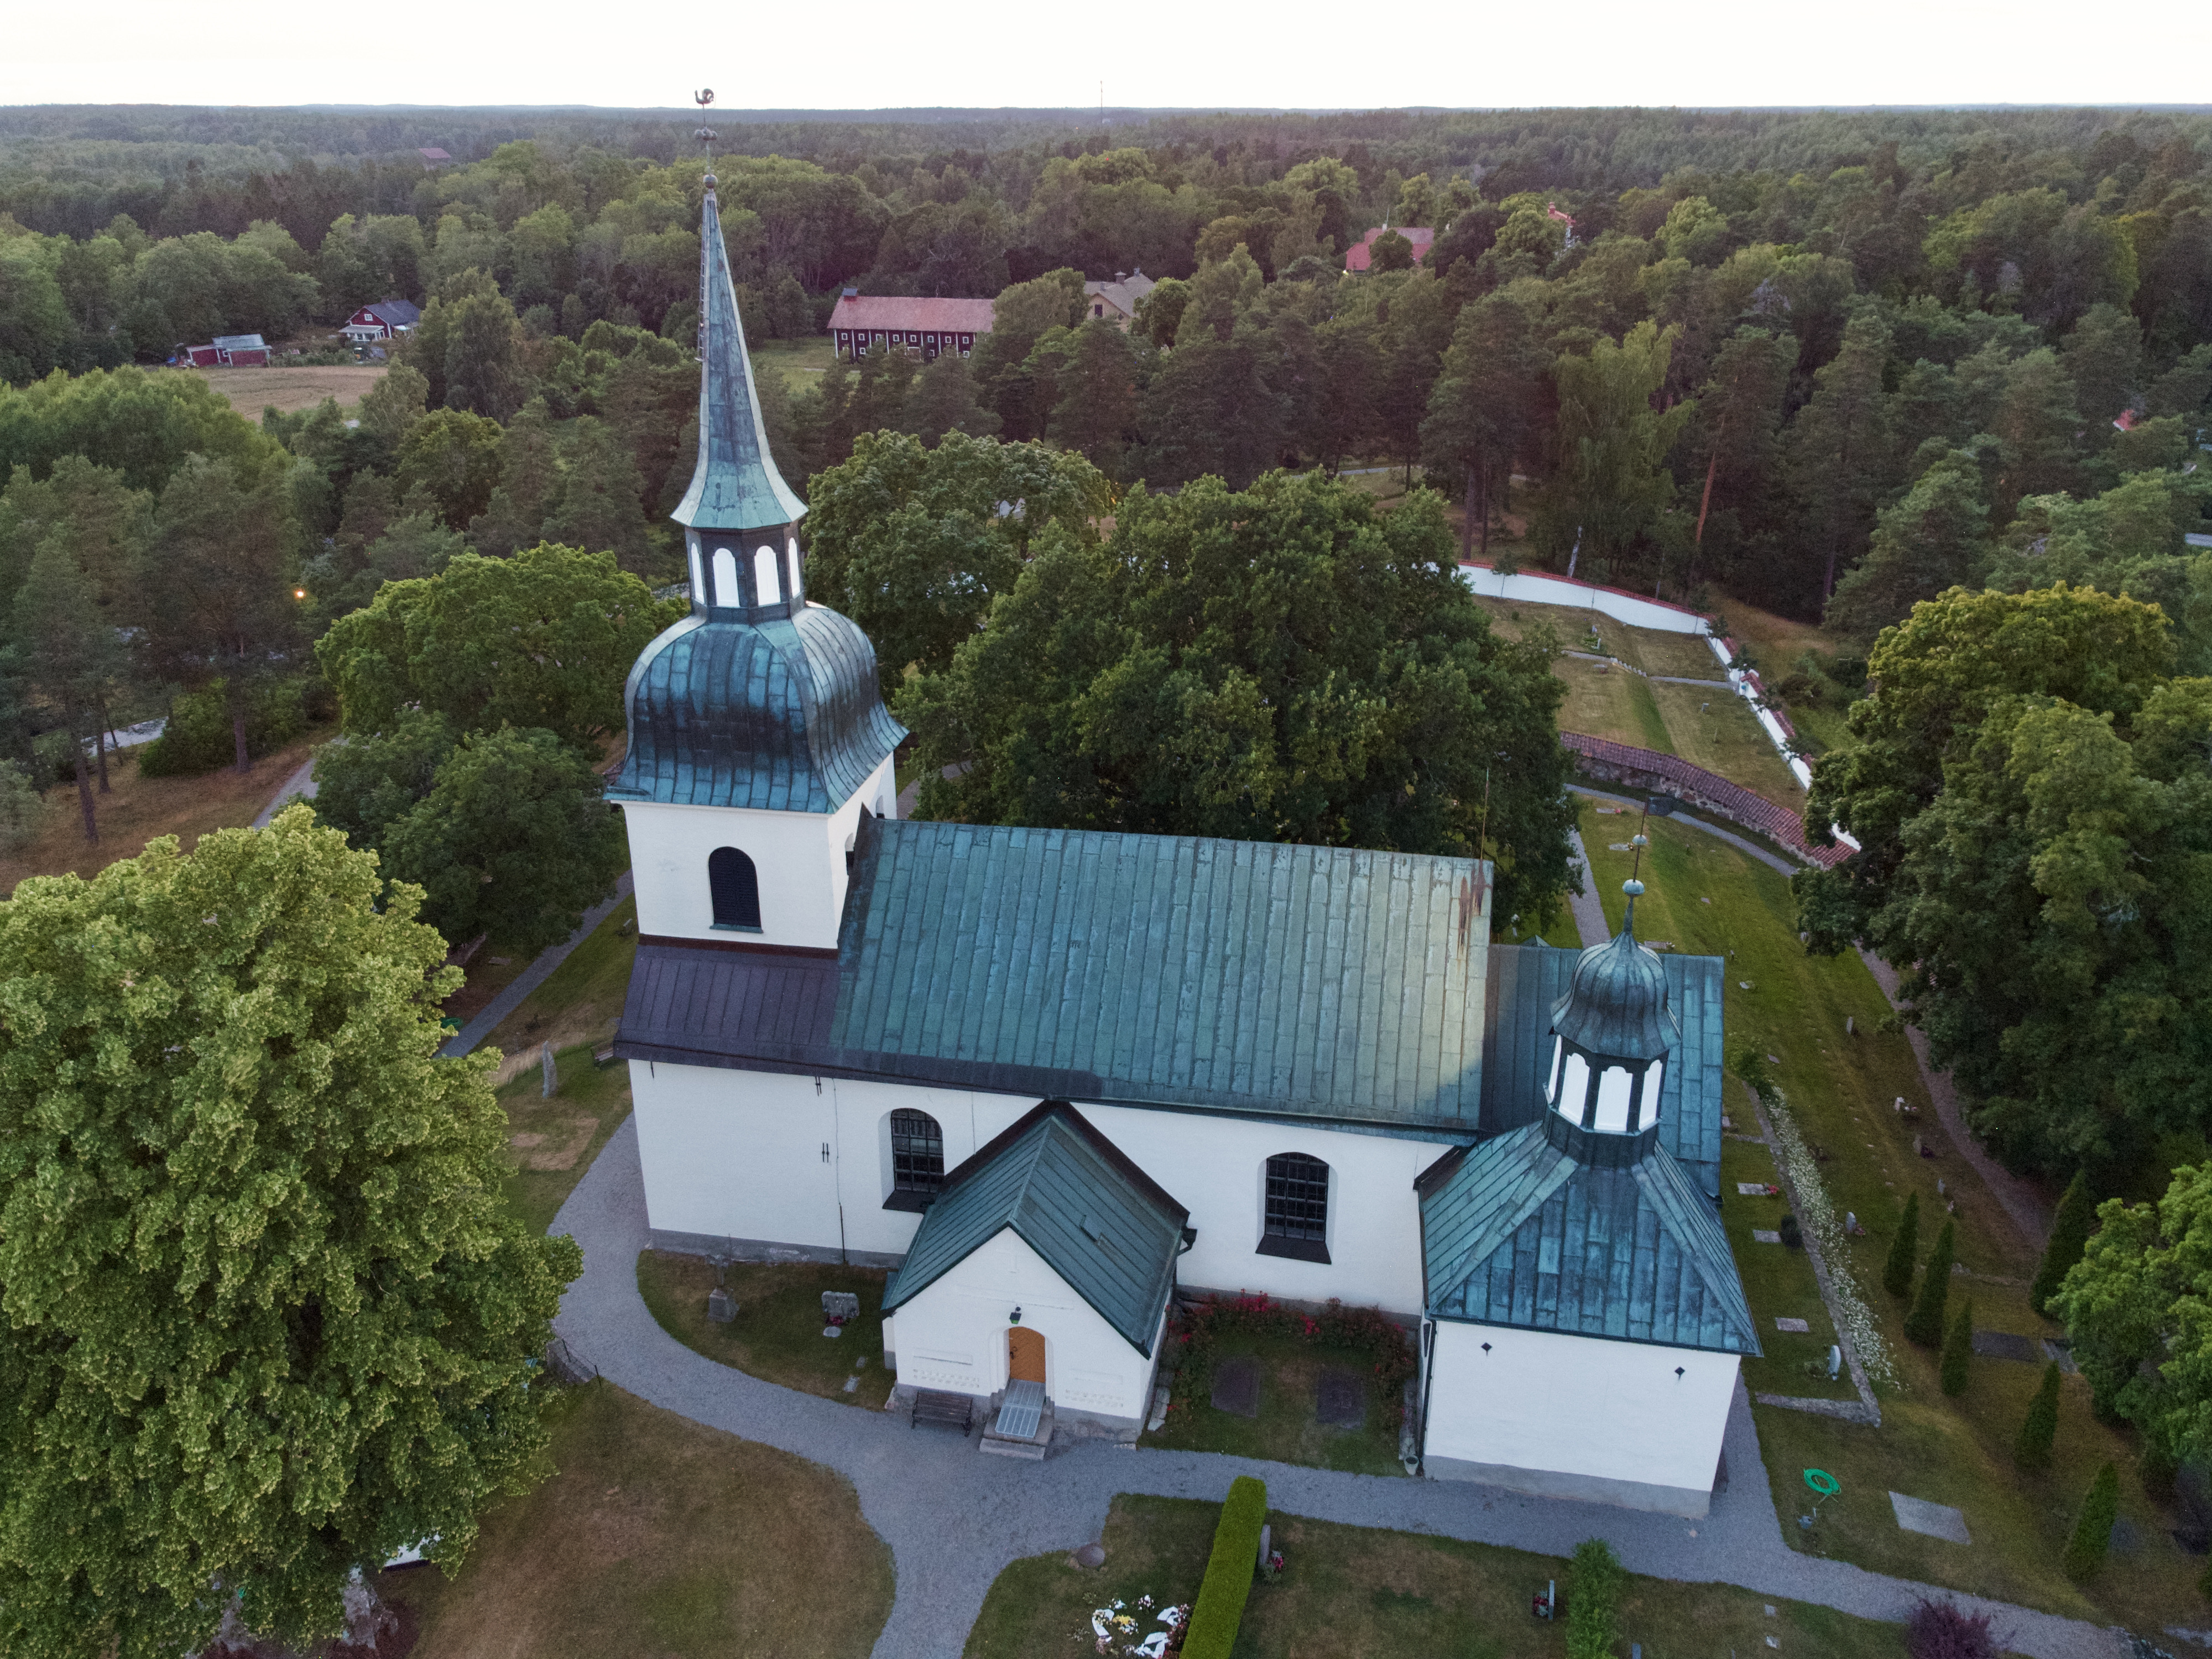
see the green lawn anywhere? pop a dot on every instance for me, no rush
(1779, 1280)
(1371, 1594)
(551, 1142)
(1287, 1430)
(657, 1538)
(777, 1335)
(581, 1000)
(1793, 1007)
(798, 360)
(1718, 730)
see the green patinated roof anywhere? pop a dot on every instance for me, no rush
(1549, 1228)
(1097, 1219)
(1241, 976)
(736, 485)
(1615, 1006)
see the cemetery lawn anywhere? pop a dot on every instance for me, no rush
(1368, 1591)
(1778, 1280)
(139, 809)
(658, 1538)
(550, 1142)
(777, 1335)
(1782, 1003)
(581, 1000)
(1288, 1428)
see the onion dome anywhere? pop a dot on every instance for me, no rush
(1612, 1033)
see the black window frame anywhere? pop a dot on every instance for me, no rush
(915, 1186)
(733, 891)
(1295, 1208)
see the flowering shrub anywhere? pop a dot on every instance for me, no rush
(1197, 1330)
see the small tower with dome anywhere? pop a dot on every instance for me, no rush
(757, 732)
(1612, 1034)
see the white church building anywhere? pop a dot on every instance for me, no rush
(1054, 1079)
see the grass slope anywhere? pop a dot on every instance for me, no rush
(777, 1335)
(551, 1142)
(659, 1539)
(1367, 1591)
(581, 1000)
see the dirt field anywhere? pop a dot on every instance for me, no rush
(252, 390)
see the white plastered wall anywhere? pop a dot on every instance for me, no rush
(741, 1155)
(1577, 1416)
(953, 1335)
(799, 858)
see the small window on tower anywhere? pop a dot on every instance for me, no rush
(734, 885)
(725, 593)
(765, 580)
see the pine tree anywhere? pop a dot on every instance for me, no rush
(2092, 1528)
(2069, 1236)
(2032, 1450)
(1959, 1349)
(1897, 1271)
(1925, 1324)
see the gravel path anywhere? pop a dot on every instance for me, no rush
(1772, 860)
(535, 975)
(1585, 907)
(301, 785)
(954, 1519)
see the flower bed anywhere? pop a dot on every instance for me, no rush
(1195, 1332)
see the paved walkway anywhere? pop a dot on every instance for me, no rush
(955, 1519)
(300, 784)
(534, 976)
(1588, 912)
(1772, 860)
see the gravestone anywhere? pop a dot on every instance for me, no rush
(552, 1076)
(1835, 1360)
(1236, 1387)
(721, 1306)
(1931, 1520)
(1340, 1398)
(841, 1304)
(1797, 1325)
(2003, 1345)
(1090, 1555)
(1765, 1236)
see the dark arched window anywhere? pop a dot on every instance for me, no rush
(917, 1160)
(735, 887)
(1297, 1208)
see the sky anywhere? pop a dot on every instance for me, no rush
(865, 54)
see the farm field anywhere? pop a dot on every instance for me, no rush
(249, 391)
(797, 361)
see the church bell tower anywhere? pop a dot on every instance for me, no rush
(758, 736)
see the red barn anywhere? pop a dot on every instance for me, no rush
(384, 320)
(1360, 254)
(204, 356)
(241, 351)
(924, 327)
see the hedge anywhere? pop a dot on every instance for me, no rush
(1595, 1580)
(1229, 1572)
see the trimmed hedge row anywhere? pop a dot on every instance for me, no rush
(1219, 1608)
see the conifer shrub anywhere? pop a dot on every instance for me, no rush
(1896, 1271)
(1219, 1609)
(2092, 1528)
(2039, 1429)
(1959, 1349)
(1925, 1324)
(2069, 1236)
(1595, 1580)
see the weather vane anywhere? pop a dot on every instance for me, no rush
(706, 135)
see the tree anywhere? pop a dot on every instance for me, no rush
(1096, 409)
(2035, 426)
(268, 1319)
(1612, 483)
(1925, 1324)
(1483, 406)
(390, 407)
(1936, 537)
(68, 654)
(598, 508)
(514, 514)
(543, 639)
(912, 543)
(365, 784)
(1958, 1350)
(1210, 410)
(214, 584)
(1840, 455)
(2039, 1429)
(1738, 430)
(1903, 1251)
(514, 839)
(1390, 251)
(2103, 357)
(2070, 1230)
(942, 400)
(456, 457)
(2092, 1528)
(1280, 664)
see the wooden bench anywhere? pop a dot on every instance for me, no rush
(954, 1411)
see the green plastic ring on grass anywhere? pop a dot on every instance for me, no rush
(1822, 1482)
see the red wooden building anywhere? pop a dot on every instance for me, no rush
(1360, 254)
(227, 351)
(925, 327)
(384, 320)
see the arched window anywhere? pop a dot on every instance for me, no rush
(726, 596)
(766, 582)
(917, 1160)
(1297, 1222)
(735, 887)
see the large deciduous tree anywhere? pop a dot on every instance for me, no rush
(1482, 409)
(544, 639)
(1612, 483)
(1279, 664)
(266, 1319)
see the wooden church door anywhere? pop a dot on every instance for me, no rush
(1024, 1355)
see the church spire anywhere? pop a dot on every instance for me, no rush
(735, 486)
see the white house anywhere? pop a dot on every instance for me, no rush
(1056, 1078)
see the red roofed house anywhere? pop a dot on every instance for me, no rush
(227, 351)
(382, 321)
(1360, 254)
(862, 322)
